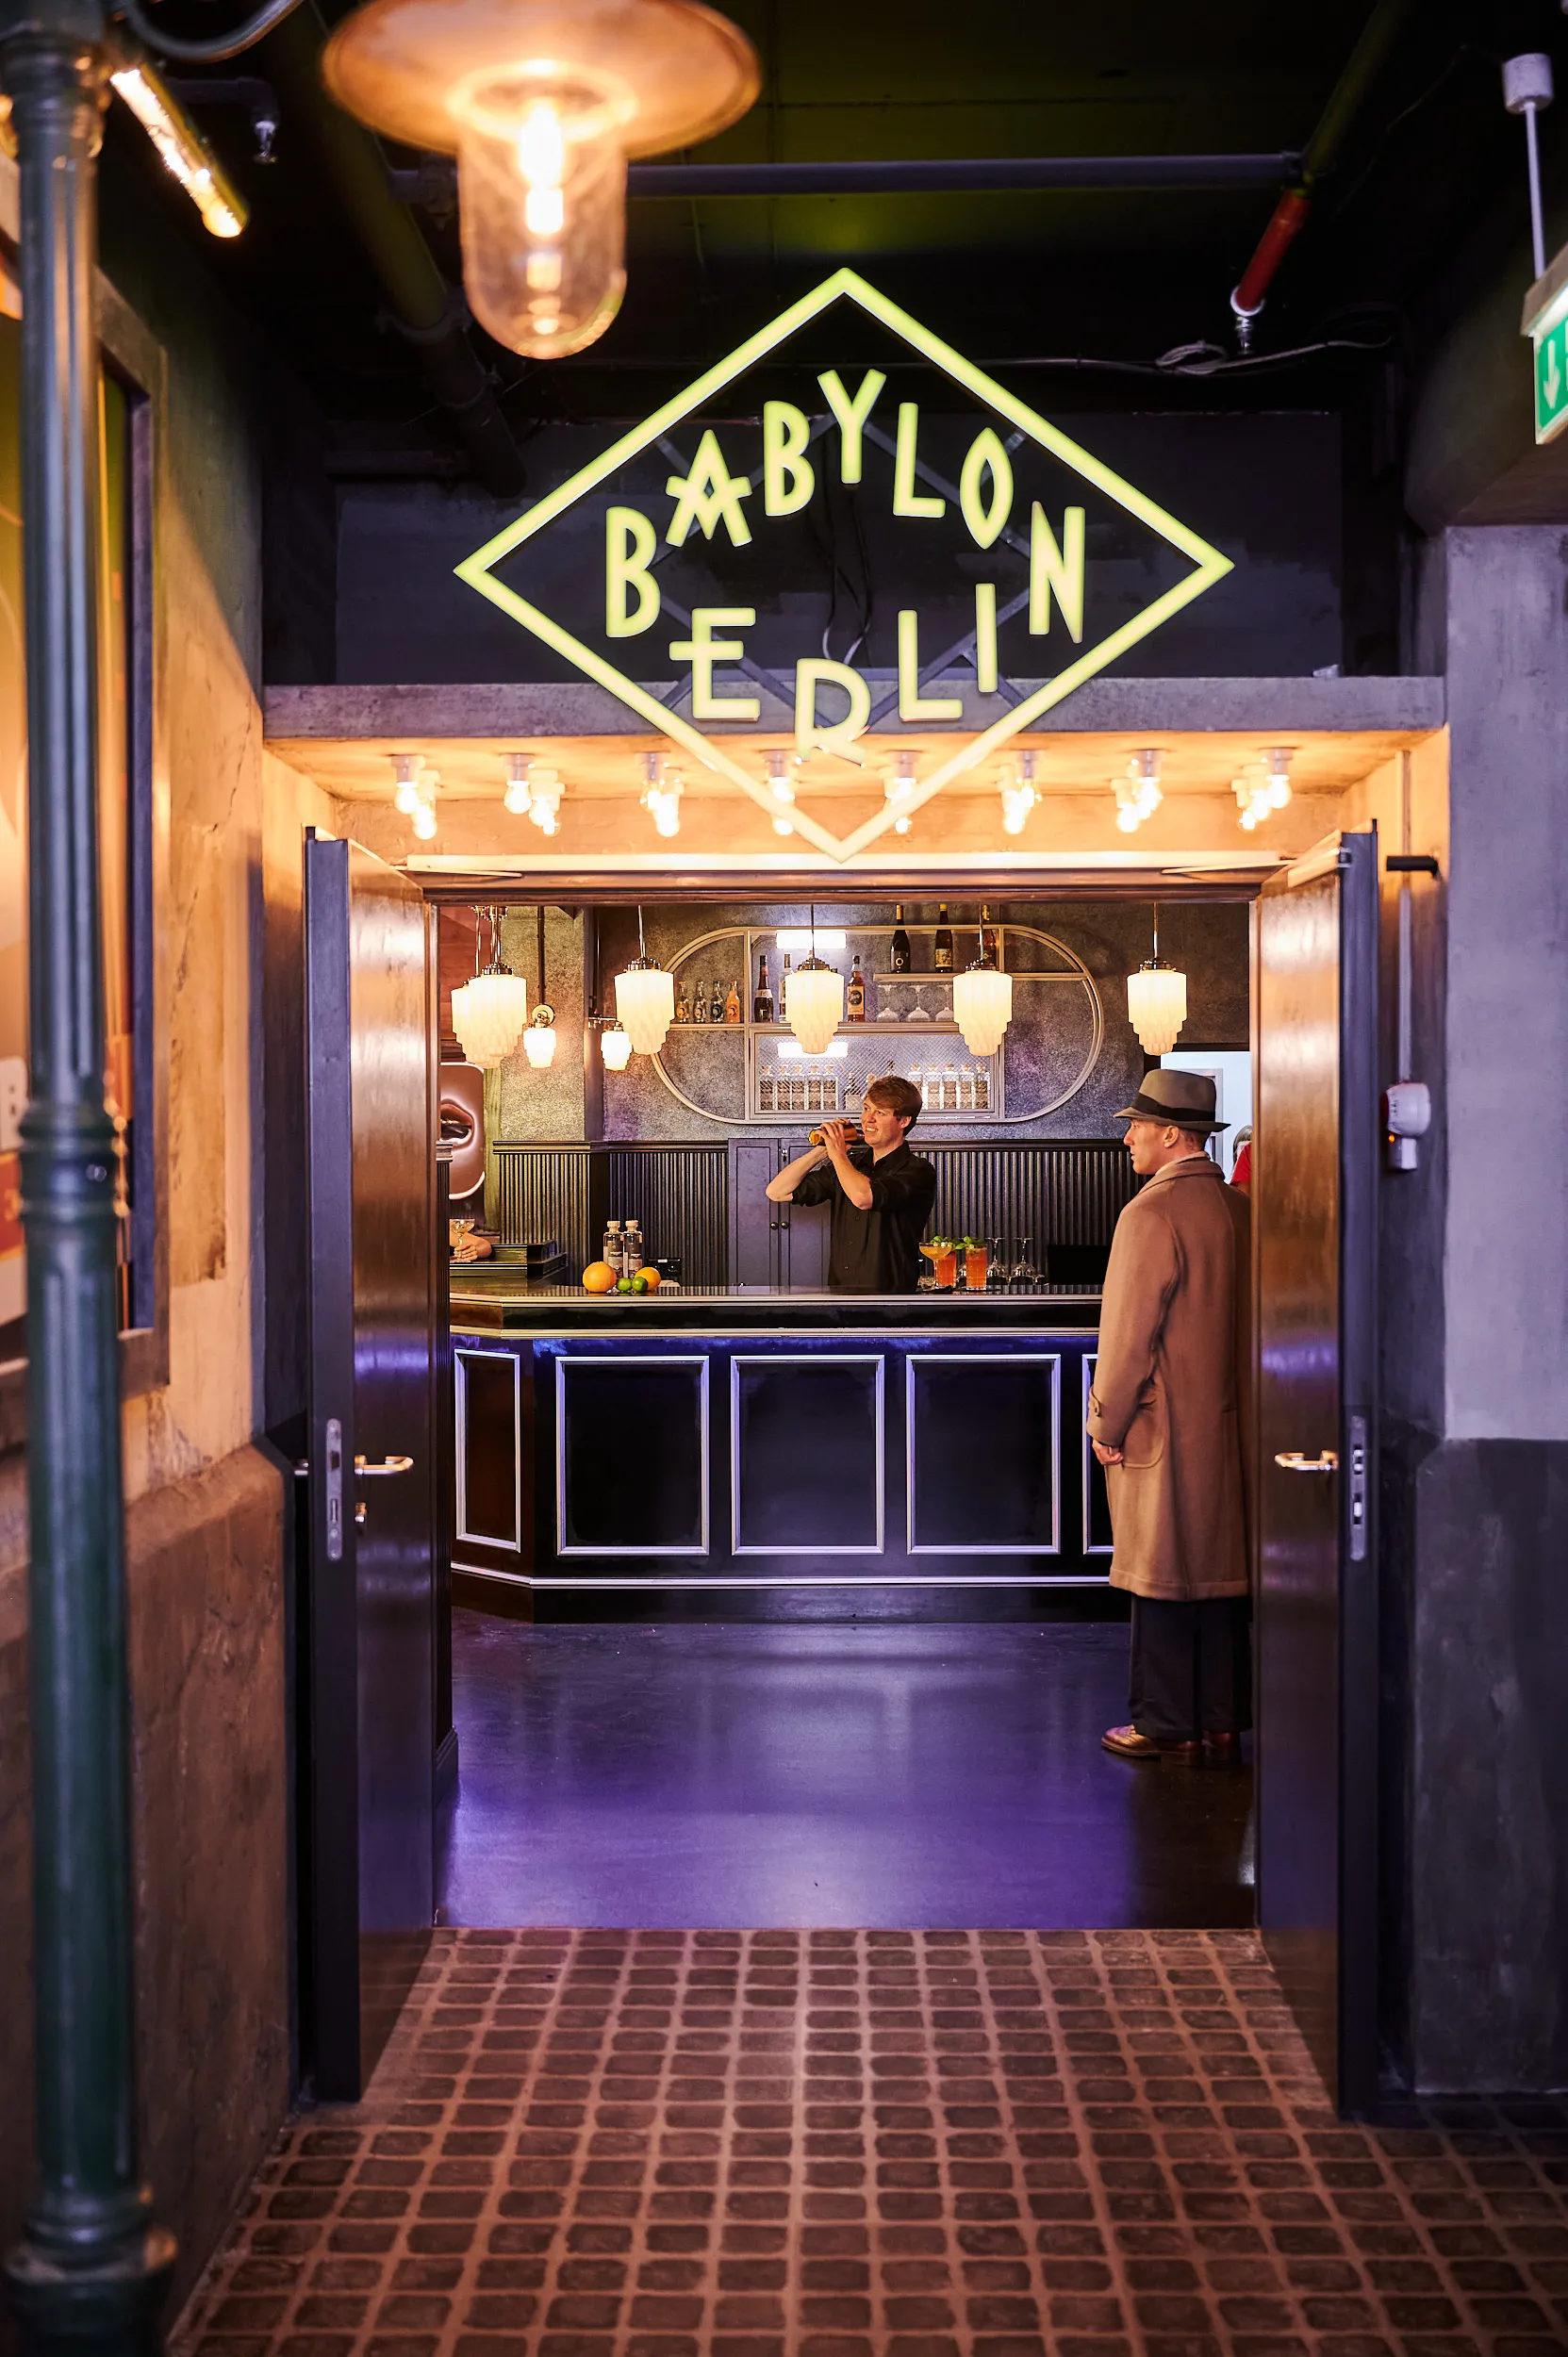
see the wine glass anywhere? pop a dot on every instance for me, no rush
(1024, 1270)
(918, 1011)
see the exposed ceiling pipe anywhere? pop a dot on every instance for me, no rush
(427, 310)
(1367, 59)
(435, 180)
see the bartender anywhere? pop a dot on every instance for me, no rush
(879, 1194)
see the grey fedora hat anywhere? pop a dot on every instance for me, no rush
(1186, 1098)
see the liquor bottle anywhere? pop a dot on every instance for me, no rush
(716, 1004)
(856, 1008)
(783, 991)
(700, 1003)
(762, 1005)
(900, 941)
(615, 1250)
(732, 1004)
(683, 1005)
(631, 1249)
(943, 954)
(988, 944)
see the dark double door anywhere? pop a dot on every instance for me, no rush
(368, 1614)
(772, 1244)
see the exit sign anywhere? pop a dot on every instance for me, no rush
(1551, 381)
(1546, 323)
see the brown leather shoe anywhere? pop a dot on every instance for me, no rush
(1222, 1751)
(1129, 1744)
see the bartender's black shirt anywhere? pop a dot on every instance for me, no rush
(876, 1251)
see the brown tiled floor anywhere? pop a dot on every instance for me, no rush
(946, 2143)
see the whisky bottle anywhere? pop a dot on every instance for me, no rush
(943, 955)
(700, 1003)
(762, 1005)
(989, 945)
(854, 1010)
(900, 941)
(732, 1004)
(683, 1005)
(716, 1004)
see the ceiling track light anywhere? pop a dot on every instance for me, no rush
(662, 793)
(899, 790)
(543, 105)
(1019, 794)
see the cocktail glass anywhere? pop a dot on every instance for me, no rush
(942, 1253)
(976, 1265)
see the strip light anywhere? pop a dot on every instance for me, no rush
(182, 151)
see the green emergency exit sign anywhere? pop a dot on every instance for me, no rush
(1551, 381)
(1546, 323)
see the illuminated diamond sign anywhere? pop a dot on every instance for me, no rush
(846, 551)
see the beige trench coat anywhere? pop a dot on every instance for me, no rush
(1171, 1387)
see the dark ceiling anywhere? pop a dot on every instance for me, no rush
(1432, 161)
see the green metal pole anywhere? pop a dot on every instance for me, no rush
(92, 2267)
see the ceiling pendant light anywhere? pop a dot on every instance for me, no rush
(814, 1007)
(983, 1001)
(489, 1014)
(645, 999)
(542, 101)
(538, 1040)
(1156, 1001)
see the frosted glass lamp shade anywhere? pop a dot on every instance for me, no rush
(645, 1001)
(614, 1045)
(814, 1007)
(538, 1046)
(488, 1015)
(983, 1007)
(1157, 1006)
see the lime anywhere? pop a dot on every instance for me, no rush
(623, 1284)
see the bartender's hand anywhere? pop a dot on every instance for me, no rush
(1106, 1456)
(835, 1137)
(855, 1184)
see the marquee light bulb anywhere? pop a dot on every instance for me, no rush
(778, 776)
(407, 796)
(1277, 775)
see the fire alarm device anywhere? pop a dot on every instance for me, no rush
(1406, 1116)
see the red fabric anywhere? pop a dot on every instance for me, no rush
(1242, 1174)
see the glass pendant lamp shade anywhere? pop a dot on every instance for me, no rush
(489, 1015)
(814, 1007)
(1155, 1005)
(645, 1001)
(614, 1045)
(983, 1007)
(543, 102)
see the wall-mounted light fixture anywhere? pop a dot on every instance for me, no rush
(1019, 793)
(181, 149)
(1138, 795)
(542, 104)
(1156, 1001)
(538, 1039)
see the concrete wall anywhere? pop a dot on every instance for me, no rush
(209, 1510)
(1475, 1364)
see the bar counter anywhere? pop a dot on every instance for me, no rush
(722, 1437)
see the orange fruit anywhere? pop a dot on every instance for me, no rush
(598, 1277)
(652, 1275)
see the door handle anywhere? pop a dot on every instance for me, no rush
(363, 1471)
(1295, 1460)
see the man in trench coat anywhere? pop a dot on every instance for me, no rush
(1166, 1417)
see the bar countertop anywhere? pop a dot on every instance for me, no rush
(483, 1303)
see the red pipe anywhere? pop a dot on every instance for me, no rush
(1285, 222)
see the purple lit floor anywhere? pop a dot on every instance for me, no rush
(893, 1777)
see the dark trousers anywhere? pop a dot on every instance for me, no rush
(1192, 1667)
